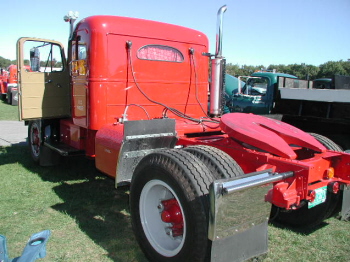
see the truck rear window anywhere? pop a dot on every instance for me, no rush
(160, 53)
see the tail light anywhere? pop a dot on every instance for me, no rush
(312, 195)
(334, 187)
(329, 173)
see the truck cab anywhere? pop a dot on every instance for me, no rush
(10, 84)
(256, 93)
(116, 71)
(3, 82)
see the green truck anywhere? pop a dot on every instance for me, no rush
(321, 106)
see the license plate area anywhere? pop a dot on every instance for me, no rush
(321, 195)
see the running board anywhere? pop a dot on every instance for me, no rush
(239, 215)
(64, 150)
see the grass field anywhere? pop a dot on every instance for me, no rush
(8, 112)
(89, 219)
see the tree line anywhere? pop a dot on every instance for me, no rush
(4, 63)
(302, 71)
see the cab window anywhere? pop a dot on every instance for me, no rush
(160, 53)
(78, 65)
(43, 56)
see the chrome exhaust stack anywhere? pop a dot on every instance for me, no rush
(217, 69)
(218, 50)
(70, 18)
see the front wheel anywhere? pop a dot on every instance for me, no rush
(9, 95)
(35, 139)
(169, 206)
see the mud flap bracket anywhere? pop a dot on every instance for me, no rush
(239, 215)
(141, 138)
(345, 209)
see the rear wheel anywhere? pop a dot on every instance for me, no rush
(169, 206)
(9, 95)
(219, 163)
(305, 217)
(329, 144)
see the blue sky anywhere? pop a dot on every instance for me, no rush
(255, 32)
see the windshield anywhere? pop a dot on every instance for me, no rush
(255, 86)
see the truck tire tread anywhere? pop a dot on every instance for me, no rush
(190, 179)
(328, 143)
(219, 163)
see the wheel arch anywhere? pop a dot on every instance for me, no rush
(120, 147)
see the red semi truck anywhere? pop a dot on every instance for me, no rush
(3, 82)
(133, 95)
(9, 89)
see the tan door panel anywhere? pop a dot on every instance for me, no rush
(44, 92)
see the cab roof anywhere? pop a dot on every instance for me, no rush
(107, 24)
(272, 74)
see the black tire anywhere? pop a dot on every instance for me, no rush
(219, 163)
(14, 97)
(171, 174)
(305, 217)
(329, 144)
(35, 139)
(9, 96)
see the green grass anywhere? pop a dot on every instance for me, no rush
(8, 112)
(89, 219)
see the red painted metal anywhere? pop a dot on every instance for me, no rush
(268, 134)
(334, 187)
(110, 88)
(3, 82)
(172, 214)
(312, 195)
(9, 77)
(112, 82)
(109, 140)
(310, 171)
(12, 73)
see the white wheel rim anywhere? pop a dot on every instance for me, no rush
(155, 229)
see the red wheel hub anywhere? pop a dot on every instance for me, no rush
(172, 214)
(36, 140)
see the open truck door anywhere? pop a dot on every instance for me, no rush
(44, 89)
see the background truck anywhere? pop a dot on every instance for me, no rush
(3, 82)
(9, 86)
(321, 106)
(201, 184)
